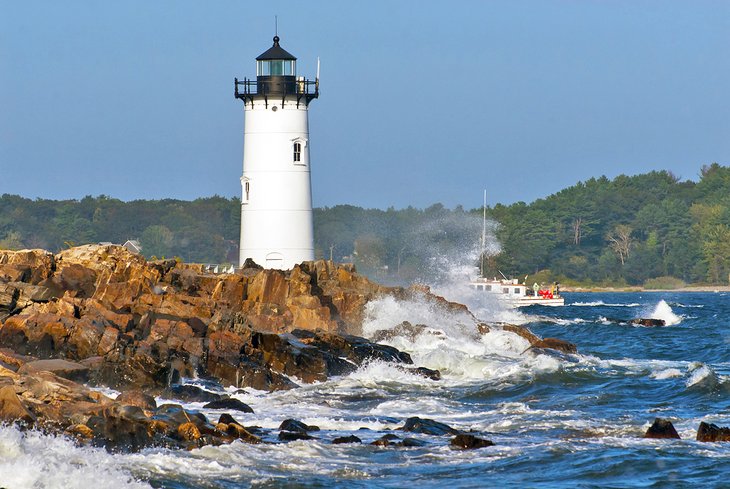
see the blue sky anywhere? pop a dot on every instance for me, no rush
(421, 101)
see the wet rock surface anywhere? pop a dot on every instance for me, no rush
(470, 442)
(661, 429)
(709, 432)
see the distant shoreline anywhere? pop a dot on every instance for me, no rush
(688, 288)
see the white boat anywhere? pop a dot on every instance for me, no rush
(514, 294)
(510, 291)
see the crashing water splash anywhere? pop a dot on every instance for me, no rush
(664, 312)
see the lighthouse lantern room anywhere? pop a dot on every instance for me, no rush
(276, 203)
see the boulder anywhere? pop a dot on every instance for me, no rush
(424, 372)
(385, 440)
(229, 403)
(63, 368)
(469, 442)
(12, 409)
(294, 435)
(137, 398)
(651, 322)
(708, 432)
(346, 439)
(661, 429)
(428, 427)
(190, 393)
(556, 344)
(294, 425)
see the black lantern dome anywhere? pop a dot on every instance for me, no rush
(276, 77)
(276, 70)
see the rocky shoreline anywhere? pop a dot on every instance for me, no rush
(100, 316)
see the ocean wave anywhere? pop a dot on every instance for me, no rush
(30, 459)
(601, 303)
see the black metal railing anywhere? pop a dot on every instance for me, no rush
(275, 87)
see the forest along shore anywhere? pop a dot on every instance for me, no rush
(100, 316)
(689, 288)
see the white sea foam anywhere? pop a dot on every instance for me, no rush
(668, 373)
(702, 376)
(601, 303)
(33, 460)
(451, 343)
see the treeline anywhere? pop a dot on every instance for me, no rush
(204, 230)
(643, 229)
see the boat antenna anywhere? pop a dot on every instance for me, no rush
(500, 272)
(484, 235)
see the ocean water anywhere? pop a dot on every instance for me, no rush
(556, 420)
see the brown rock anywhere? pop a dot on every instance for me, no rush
(188, 432)
(12, 409)
(237, 431)
(469, 442)
(80, 431)
(40, 263)
(660, 429)
(648, 322)
(14, 273)
(137, 398)
(556, 344)
(708, 432)
(63, 368)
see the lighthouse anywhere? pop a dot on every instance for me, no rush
(276, 201)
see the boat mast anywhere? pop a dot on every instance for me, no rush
(484, 235)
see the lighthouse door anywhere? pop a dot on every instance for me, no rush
(275, 260)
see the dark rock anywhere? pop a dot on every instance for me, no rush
(649, 322)
(428, 427)
(294, 435)
(121, 428)
(385, 440)
(412, 442)
(190, 393)
(424, 372)
(250, 264)
(175, 414)
(660, 429)
(708, 432)
(346, 439)
(294, 425)
(230, 403)
(556, 344)
(227, 419)
(137, 398)
(469, 442)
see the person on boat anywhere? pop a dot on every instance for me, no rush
(557, 289)
(535, 289)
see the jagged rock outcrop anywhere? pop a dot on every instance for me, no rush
(127, 322)
(662, 429)
(709, 432)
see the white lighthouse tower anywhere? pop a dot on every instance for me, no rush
(276, 203)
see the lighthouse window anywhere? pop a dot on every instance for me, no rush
(275, 67)
(297, 151)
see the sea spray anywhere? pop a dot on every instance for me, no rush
(30, 459)
(450, 341)
(664, 312)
